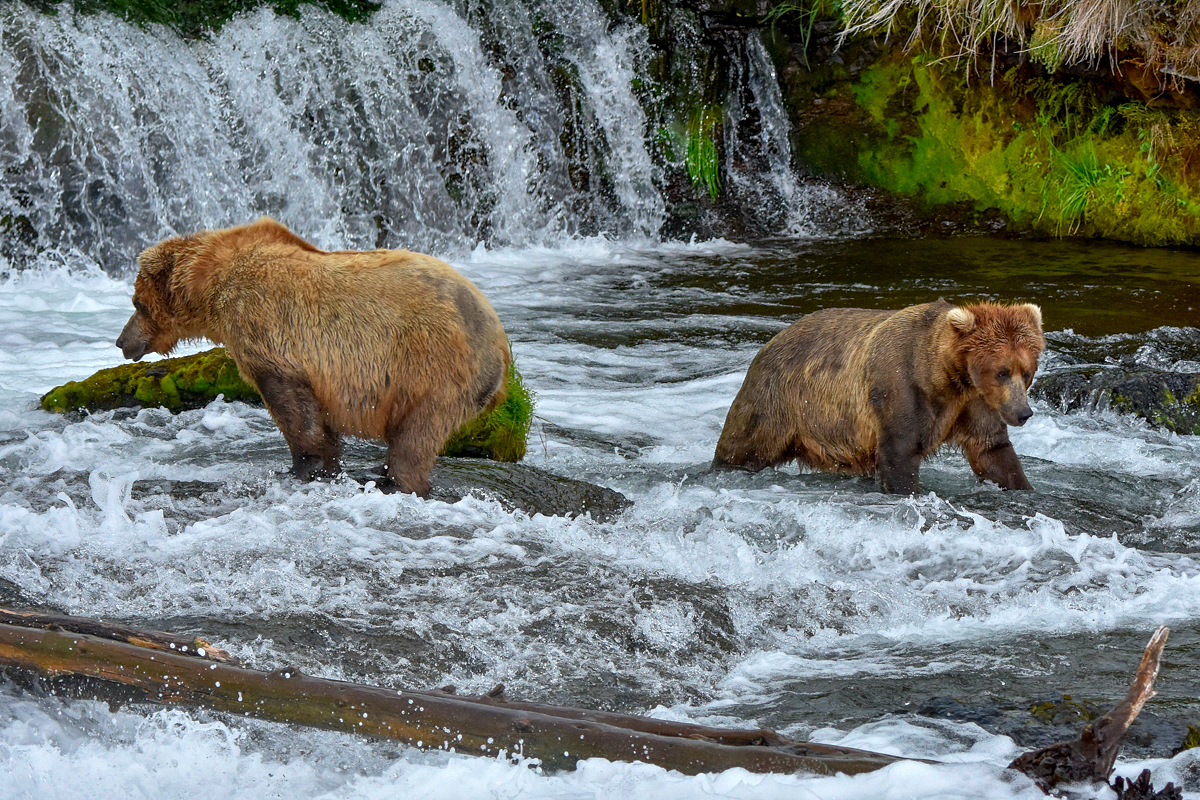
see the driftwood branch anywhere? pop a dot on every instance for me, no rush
(485, 725)
(1090, 758)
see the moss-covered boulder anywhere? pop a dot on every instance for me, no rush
(189, 382)
(998, 146)
(1169, 400)
(177, 384)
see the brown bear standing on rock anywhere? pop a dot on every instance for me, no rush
(385, 344)
(876, 392)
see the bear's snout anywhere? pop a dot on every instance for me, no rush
(133, 341)
(1016, 411)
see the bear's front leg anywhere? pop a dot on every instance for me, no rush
(983, 437)
(898, 463)
(997, 462)
(316, 448)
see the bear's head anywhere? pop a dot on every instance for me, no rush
(154, 326)
(999, 346)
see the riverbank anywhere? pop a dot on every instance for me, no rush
(1017, 128)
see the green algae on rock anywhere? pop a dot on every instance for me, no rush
(177, 384)
(499, 434)
(189, 382)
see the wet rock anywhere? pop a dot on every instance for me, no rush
(1169, 400)
(515, 486)
(525, 488)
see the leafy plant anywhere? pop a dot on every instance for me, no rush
(702, 158)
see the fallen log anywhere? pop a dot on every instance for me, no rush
(487, 725)
(159, 667)
(154, 640)
(1090, 758)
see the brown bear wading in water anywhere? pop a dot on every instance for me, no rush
(869, 392)
(383, 344)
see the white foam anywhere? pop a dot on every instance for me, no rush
(816, 578)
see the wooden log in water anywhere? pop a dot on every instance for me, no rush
(488, 725)
(1090, 758)
(164, 668)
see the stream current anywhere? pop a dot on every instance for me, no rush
(809, 603)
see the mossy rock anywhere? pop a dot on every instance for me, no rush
(1169, 400)
(189, 382)
(1063, 712)
(177, 384)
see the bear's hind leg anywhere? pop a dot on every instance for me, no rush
(413, 442)
(316, 448)
(751, 441)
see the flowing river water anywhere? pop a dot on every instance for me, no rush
(930, 626)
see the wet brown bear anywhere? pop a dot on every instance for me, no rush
(875, 392)
(384, 344)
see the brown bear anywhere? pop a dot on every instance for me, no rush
(870, 392)
(383, 344)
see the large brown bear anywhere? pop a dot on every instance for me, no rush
(385, 344)
(876, 392)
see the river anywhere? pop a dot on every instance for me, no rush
(809, 603)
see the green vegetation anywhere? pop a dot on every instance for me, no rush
(188, 382)
(703, 155)
(1192, 739)
(176, 384)
(502, 433)
(1050, 156)
(192, 18)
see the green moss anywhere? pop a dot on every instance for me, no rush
(192, 18)
(174, 383)
(502, 433)
(1062, 712)
(1191, 740)
(189, 382)
(1053, 158)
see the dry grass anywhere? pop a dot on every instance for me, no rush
(1162, 36)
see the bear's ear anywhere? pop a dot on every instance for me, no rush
(157, 264)
(961, 319)
(1035, 312)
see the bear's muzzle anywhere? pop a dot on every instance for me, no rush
(133, 341)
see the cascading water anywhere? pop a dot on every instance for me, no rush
(417, 129)
(758, 153)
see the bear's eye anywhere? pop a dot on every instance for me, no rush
(1003, 375)
(140, 308)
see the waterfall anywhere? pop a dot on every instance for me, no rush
(758, 153)
(436, 125)
(404, 132)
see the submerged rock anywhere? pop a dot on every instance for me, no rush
(189, 382)
(525, 488)
(1169, 400)
(518, 487)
